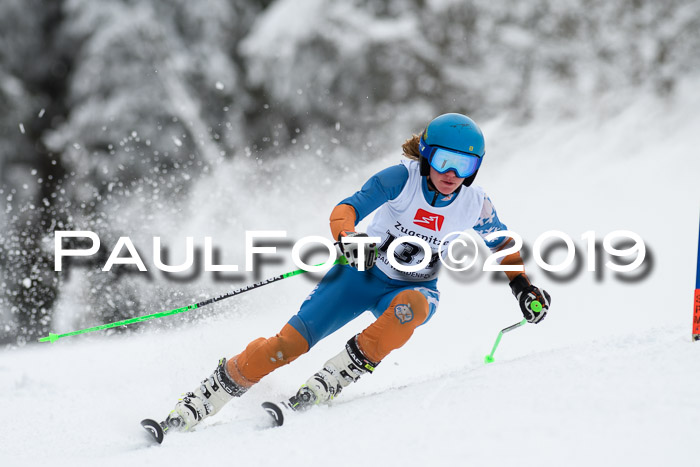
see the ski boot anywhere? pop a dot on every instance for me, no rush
(205, 401)
(324, 386)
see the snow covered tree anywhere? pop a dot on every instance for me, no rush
(156, 100)
(115, 110)
(32, 73)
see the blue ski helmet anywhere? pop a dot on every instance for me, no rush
(452, 142)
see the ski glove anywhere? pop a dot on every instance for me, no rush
(352, 253)
(526, 293)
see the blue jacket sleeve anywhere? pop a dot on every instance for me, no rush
(380, 188)
(489, 222)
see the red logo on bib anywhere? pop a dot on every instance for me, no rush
(428, 220)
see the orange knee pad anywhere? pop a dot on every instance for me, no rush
(263, 356)
(408, 310)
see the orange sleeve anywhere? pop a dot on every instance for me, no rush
(514, 259)
(342, 219)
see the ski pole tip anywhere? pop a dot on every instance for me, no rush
(50, 338)
(488, 359)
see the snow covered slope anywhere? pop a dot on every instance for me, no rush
(610, 378)
(630, 400)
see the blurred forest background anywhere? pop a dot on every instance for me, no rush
(122, 106)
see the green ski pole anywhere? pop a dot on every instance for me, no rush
(54, 337)
(535, 306)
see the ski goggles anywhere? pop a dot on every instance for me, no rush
(443, 160)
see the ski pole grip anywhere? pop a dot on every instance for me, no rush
(536, 306)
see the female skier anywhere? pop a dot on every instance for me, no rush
(431, 195)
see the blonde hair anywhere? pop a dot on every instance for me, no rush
(410, 148)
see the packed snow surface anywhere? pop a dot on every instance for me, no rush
(629, 400)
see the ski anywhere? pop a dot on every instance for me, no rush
(275, 411)
(295, 404)
(156, 430)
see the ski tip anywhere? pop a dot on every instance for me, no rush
(274, 411)
(154, 429)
